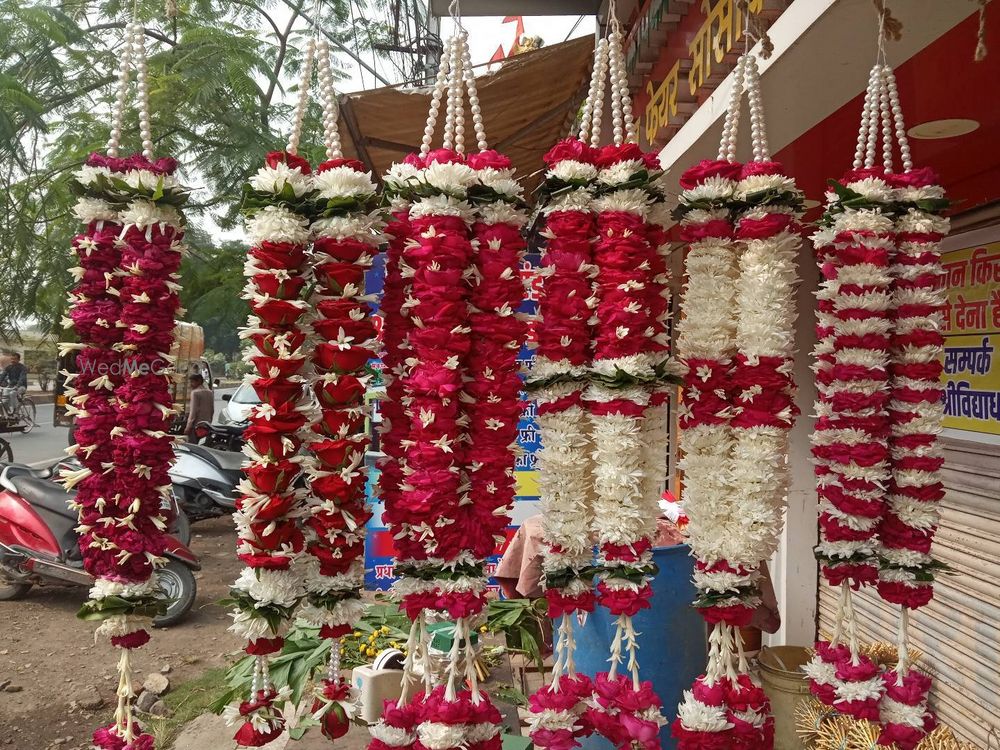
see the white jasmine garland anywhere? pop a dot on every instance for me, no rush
(438, 736)
(279, 587)
(145, 213)
(715, 189)
(758, 183)
(401, 174)
(392, 736)
(571, 200)
(698, 717)
(441, 205)
(619, 173)
(632, 200)
(449, 177)
(87, 175)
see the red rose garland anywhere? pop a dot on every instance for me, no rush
(270, 539)
(460, 410)
(123, 314)
(738, 334)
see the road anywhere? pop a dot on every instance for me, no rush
(45, 443)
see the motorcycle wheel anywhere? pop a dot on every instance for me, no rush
(181, 528)
(10, 591)
(179, 586)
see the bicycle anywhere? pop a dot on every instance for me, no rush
(6, 452)
(24, 417)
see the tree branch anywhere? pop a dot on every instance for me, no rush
(278, 63)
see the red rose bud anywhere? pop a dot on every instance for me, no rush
(282, 534)
(347, 250)
(569, 149)
(277, 505)
(331, 358)
(339, 423)
(707, 168)
(334, 723)
(271, 285)
(277, 391)
(247, 736)
(278, 312)
(336, 276)
(272, 478)
(489, 159)
(337, 453)
(354, 164)
(276, 445)
(346, 391)
(277, 255)
(444, 156)
(264, 646)
(266, 343)
(274, 158)
(334, 631)
(285, 367)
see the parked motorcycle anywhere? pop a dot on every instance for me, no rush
(204, 480)
(223, 437)
(39, 543)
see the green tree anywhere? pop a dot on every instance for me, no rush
(221, 78)
(213, 282)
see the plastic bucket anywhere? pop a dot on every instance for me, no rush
(672, 644)
(786, 685)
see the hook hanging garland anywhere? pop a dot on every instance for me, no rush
(878, 373)
(452, 335)
(736, 337)
(122, 311)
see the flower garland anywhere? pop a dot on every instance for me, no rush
(738, 335)
(460, 403)
(557, 382)
(270, 539)
(346, 233)
(123, 313)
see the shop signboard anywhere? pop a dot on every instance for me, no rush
(972, 340)
(686, 56)
(379, 552)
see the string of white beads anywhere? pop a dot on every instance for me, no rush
(333, 664)
(588, 106)
(617, 122)
(730, 128)
(620, 80)
(142, 90)
(886, 123)
(598, 110)
(119, 111)
(300, 110)
(439, 86)
(328, 96)
(459, 76)
(859, 151)
(470, 83)
(897, 115)
(758, 125)
(873, 121)
(453, 96)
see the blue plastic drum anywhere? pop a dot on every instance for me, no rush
(672, 644)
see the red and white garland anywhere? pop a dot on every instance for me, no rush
(878, 368)
(612, 193)
(459, 405)
(736, 337)
(123, 313)
(346, 232)
(272, 504)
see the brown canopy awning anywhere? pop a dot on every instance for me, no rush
(527, 104)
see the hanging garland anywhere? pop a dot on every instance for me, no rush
(460, 406)
(625, 398)
(737, 337)
(346, 234)
(265, 595)
(557, 381)
(850, 443)
(122, 310)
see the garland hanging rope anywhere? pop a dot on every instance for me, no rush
(452, 338)
(737, 341)
(878, 364)
(122, 311)
(601, 381)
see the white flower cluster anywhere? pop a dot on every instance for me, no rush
(343, 182)
(144, 214)
(94, 209)
(277, 224)
(568, 170)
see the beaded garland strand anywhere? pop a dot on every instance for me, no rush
(122, 310)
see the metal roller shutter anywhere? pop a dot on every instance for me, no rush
(959, 631)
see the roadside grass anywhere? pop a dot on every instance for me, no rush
(186, 701)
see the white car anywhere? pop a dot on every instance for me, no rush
(238, 405)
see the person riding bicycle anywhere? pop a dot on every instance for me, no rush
(15, 379)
